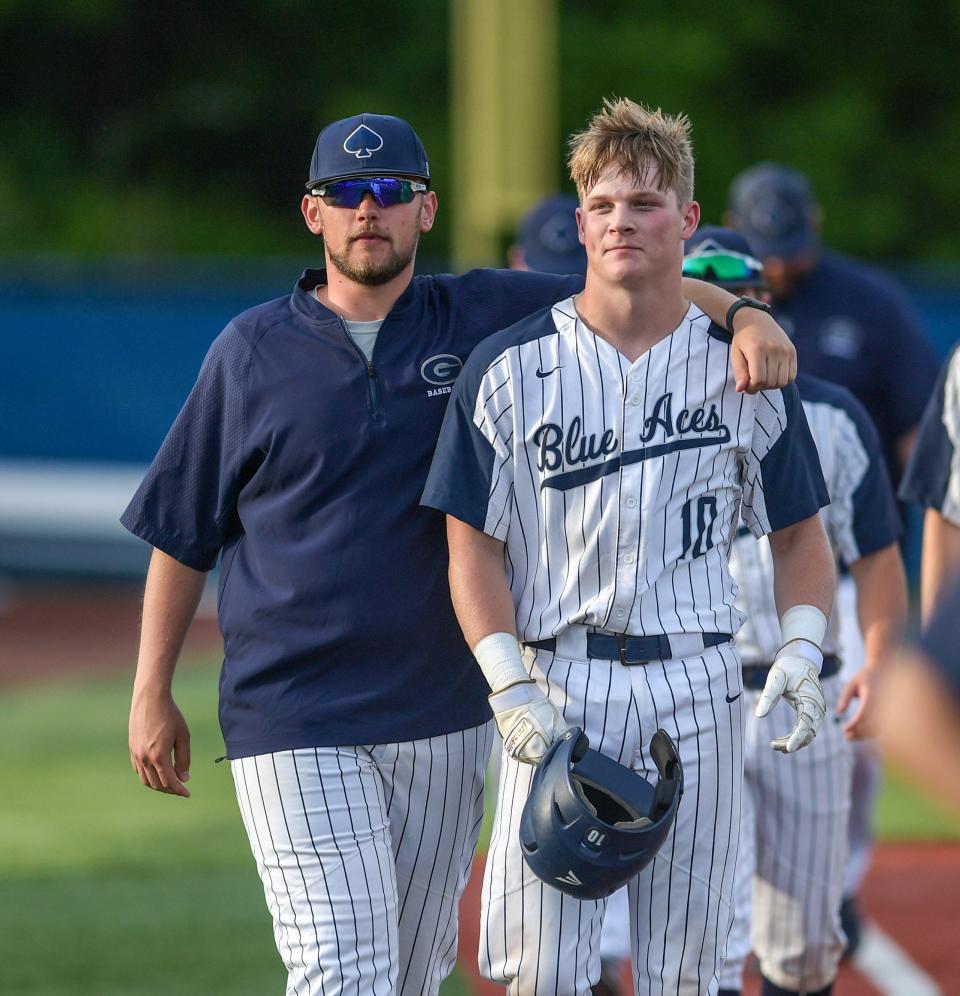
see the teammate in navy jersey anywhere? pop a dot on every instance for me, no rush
(298, 461)
(592, 465)
(801, 808)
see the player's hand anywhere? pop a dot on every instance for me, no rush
(795, 680)
(861, 687)
(159, 743)
(527, 720)
(763, 357)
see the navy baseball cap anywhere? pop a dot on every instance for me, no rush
(548, 236)
(368, 145)
(775, 208)
(729, 249)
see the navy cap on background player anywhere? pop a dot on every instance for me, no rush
(547, 238)
(775, 208)
(368, 145)
(723, 257)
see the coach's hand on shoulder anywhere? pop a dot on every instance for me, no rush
(159, 742)
(762, 356)
(527, 720)
(797, 681)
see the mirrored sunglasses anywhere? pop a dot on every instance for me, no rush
(726, 266)
(386, 191)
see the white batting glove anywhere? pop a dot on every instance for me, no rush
(797, 681)
(527, 720)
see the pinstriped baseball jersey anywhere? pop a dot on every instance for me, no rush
(616, 486)
(933, 476)
(861, 518)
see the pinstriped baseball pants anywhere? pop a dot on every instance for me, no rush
(793, 850)
(538, 941)
(364, 853)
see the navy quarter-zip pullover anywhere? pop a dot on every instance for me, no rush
(300, 464)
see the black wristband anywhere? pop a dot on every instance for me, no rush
(745, 302)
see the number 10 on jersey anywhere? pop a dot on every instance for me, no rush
(698, 526)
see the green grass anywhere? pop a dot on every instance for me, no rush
(108, 889)
(905, 814)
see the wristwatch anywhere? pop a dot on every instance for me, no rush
(745, 302)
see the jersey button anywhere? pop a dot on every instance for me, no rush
(631, 502)
(620, 613)
(629, 558)
(635, 401)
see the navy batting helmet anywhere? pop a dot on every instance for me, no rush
(589, 824)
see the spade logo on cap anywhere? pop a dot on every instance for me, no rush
(362, 142)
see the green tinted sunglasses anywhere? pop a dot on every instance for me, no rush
(724, 267)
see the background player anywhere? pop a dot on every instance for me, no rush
(299, 459)
(793, 840)
(852, 326)
(547, 240)
(591, 464)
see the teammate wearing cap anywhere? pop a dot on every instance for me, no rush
(298, 461)
(793, 840)
(853, 326)
(591, 465)
(547, 239)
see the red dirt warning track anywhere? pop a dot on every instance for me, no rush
(62, 632)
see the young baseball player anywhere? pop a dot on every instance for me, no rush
(592, 465)
(793, 841)
(298, 461)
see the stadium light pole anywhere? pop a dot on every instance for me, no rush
(503, 119)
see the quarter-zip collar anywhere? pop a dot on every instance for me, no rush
(304, 300)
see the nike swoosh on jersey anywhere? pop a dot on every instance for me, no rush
(541, 374)
(733, 698)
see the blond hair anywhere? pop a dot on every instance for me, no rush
(634, 138)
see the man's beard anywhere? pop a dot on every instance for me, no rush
(372, 273)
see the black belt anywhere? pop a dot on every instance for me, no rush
(630, 650)
(755, 675)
